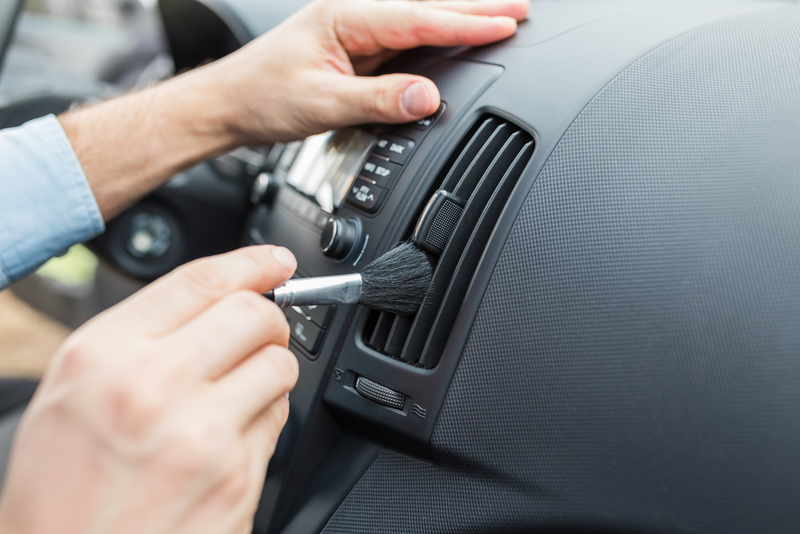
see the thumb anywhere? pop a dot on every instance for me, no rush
(392, 98)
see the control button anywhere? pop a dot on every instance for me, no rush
(304, 331)
(338, 237)
(321, 315)
(380, 394)
(427, 122)
(265, 189)
(380, 171)
(366, 196)
(394, 147)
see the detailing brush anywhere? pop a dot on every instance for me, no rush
(396, 283)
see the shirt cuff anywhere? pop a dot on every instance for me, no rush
(46, 204)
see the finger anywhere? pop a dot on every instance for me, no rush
(404, 25)
(231, 329)
(516, 9)
(393, 98)
(176, 298)
(256, 383)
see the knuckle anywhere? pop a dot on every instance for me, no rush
(195, 447)
(280, 325)
(77, 355)
(419, 25)
(251, 303)
(265, 262)
(239, 481)
(206, 277)
(266, 312)
(283, 412)
(276, 419)
(262, 261)
(382, 102)
(286, 366)
(236, 486)
(134, 408)
(73, 358)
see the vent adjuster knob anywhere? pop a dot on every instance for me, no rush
(437, 222)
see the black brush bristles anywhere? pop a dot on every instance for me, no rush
(397, 281)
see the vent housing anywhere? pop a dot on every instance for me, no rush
(482, 172)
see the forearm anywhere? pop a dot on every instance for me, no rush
(130, 145)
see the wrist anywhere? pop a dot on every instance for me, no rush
(195, 109)
(132, 144)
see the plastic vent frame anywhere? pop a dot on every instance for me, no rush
(483, 172)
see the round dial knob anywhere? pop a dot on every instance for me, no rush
(150, 237)
(339, 237)
(265, 188)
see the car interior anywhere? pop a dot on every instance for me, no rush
(610, 341)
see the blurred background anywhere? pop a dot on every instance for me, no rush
(61, 48)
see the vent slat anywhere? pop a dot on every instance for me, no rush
(484, 159)
(381, 332)
(520, 152)
(398, 335)
(469, 152)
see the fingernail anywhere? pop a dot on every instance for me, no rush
(285, 257)
(416, 100)
(508, 23)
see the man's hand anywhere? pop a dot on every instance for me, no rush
(307, 75)
(161, 414)
(304, 77)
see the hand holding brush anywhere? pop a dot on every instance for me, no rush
(396, 282)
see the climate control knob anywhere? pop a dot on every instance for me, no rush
(339, 237)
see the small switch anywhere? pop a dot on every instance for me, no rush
(394, 147)
(366, 196)
(304, 331)
(427, 122)
(321, 315)
(380, 394)
(380, 171)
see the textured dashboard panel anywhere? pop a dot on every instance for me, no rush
(635, 364)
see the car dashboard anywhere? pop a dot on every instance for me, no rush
(609, 342)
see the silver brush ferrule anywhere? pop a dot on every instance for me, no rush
(341, 289)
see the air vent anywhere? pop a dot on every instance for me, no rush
(482, 172)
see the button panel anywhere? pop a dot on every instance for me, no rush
(366, 195)
(380, 171)
(394, 147)
(384, 164)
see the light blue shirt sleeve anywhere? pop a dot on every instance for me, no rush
(46, 204)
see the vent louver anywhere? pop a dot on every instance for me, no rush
(483, 171)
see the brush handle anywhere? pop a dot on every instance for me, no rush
(341, 289)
